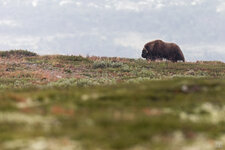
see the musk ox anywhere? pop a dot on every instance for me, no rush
(159, 49)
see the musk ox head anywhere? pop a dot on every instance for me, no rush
(146, 52)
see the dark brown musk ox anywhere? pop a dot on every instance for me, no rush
(159, 49)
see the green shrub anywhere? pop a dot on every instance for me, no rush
(106, 64)
(126, 68)
(16, 53)
(72, 58)
(147, 72)
(63, 83)
(73, 82)
(67, 71)
(85, 82)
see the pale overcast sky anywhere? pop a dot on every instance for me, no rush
(113, 27)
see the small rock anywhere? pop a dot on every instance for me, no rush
(184, 88)
(59, 77)
(85, 97)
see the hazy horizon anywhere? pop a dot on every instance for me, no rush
(113, 28)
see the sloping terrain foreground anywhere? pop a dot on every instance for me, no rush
(76, 103)
(170, 114)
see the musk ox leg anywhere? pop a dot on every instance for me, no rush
(153, 59)
(174, 61)
(171, 59)
(161, 59)
(180, 59)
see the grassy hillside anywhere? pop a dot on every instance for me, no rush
(76, 103)
(25, 69)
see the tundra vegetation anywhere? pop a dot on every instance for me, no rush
(97, 103)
